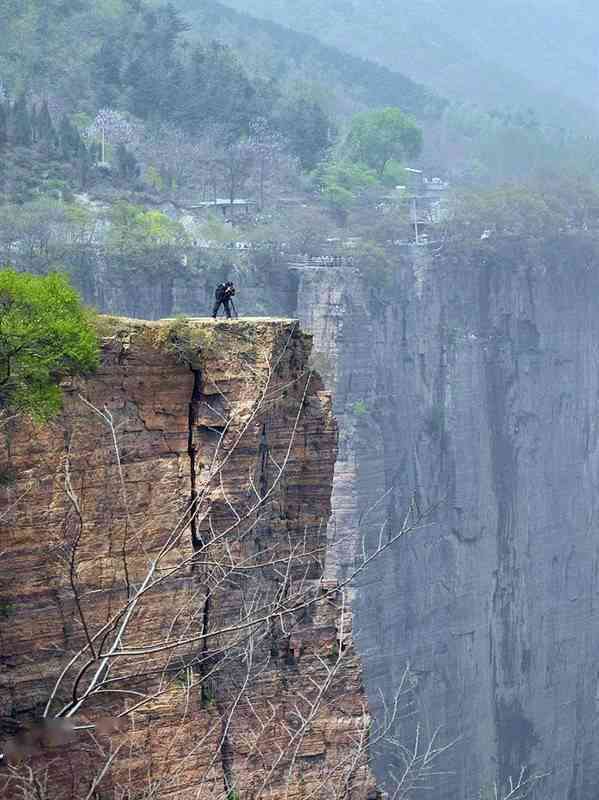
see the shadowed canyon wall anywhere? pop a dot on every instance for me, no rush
(470, 392)
(185, 491)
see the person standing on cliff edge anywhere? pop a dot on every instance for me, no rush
(224, 296)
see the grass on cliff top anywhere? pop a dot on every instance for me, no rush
(110, 324)
(192, 340)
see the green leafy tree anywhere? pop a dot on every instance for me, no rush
(341, 182)
(378, 137)
(135, 231)
(354, 177)
(147, 245)
(394, 174)
(45, 335)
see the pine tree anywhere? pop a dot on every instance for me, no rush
(127, 163)
(21, 127)
(3, 126)
(107, 71)
(33, 120)
(304, 123)
(85, 162)
(45, 126)
(70, 140)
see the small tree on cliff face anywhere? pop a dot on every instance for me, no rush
(44, 335)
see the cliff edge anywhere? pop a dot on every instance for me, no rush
(165, 630)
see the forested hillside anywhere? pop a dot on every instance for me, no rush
(165, 102)
(417, 184)
(493, 53)
(128, 55)
(271, 50)
(116, 116)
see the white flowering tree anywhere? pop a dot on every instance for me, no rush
(110, 127)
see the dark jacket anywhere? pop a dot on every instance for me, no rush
(220, 293)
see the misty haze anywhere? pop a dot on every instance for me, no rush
(299, 400)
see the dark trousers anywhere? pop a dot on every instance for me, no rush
(226, 303)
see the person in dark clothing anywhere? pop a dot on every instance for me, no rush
(223, 296)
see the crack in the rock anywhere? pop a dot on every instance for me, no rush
(196, 540)
(264, 453)
(204, 661)
(196, 397)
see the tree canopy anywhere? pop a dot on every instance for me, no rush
(45, 335)
(378, 137)
(136, 232)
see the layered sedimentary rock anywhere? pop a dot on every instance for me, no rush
(471, 392)
(163, 546)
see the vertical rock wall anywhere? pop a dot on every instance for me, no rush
(473, 390)
(123, 486)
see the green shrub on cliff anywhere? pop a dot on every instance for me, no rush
(45, 335)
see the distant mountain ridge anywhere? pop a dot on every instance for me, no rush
(282, 52)
(500, 53)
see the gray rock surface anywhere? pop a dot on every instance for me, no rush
(473, 391)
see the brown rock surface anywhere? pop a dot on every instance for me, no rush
(165, 536)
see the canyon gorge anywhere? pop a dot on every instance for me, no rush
(466, 394)
(469, 391)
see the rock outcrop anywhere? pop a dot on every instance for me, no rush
(163, 546)
(472, 391)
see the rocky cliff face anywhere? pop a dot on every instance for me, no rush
(473, 393)
(163, 544)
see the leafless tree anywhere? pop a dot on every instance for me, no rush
(236, 167)
(177, 158)
(518, 788)
(267, 147)
(227, 612)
